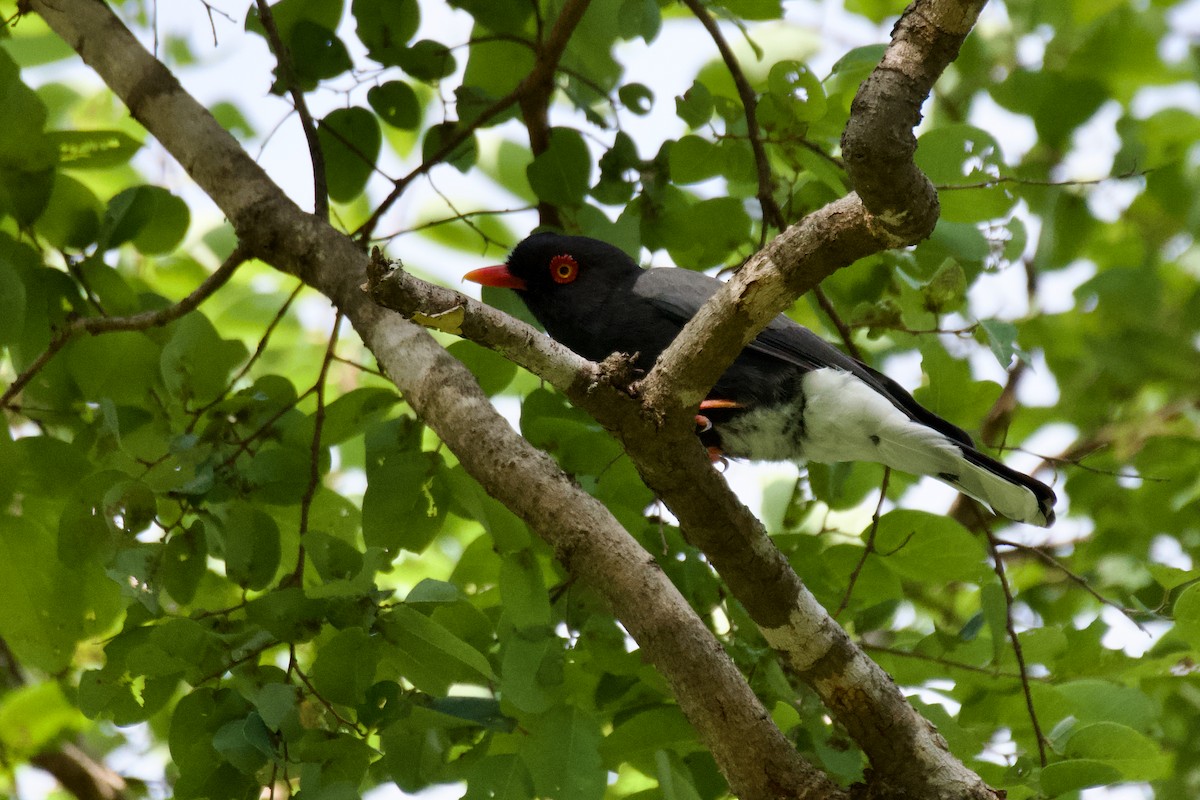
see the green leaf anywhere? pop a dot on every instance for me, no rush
(121, 366)
(640, 18)
(1187, 615)
(348, 415)
(929, 547)
(196, 362)
(46, 606)
(350, 139)
(493, 371)
(396, 104)
(428, 60)
(946, 290)
(501, 16)
(405, 503)
(33, 716)
(523, 590)
(562, 753)
(794, 83)
(317, 54)
(1096, 700)
(693, 159)
(95, 149)
(647, 732)
(345, 666)
(462, 157)
(482, 711)
(1070, 776)
(531, 670)
(637, 98)
(674, 778)
(151, 217)
(279, 475)
(277, 704)
(708, 232)
(288, 13)
(12, 303)
(287, 614)
(334, 559)
(72, 217)
(184, 562)
(754, 9)
(194, 725)
(1137, 756)
(562, 174)
(499, 777)
(245, 743)
(250, 544)
(385, 26)
(429, 654)
(1001, 338)
(962, 156)
(695, 106)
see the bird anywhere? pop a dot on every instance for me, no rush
(789, 396)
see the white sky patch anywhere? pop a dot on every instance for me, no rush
(1056, 288)
(1168, 551)
(1093, 146)
(1123, 634)
(1015, 132)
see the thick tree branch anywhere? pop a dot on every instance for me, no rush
(80, 774)
(902, 746)
(755, 757)
(893, 205)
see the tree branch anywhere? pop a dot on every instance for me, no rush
(538, 83)
(134, 322)
(766, 198)
(288, 75)
(757, 760)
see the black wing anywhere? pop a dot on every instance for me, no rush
(679, 293)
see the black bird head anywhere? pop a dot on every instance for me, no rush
(561, 277)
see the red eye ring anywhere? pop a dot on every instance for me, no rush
(564, 268)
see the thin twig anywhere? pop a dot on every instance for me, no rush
(771, 212)
(293, 666)
(314, 464)
(543, 72)
(842, 328)
(244, 444)
(359, 366)
(945, 662)
(134, 322)
(998, 566)
(1050, 560)
(870, 547)
(465, 218)
(258, 351)
(288, 76)
(989, 183)
(460, 217)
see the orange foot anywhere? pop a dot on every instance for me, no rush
(716, 456)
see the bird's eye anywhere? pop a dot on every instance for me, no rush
(564, 268)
